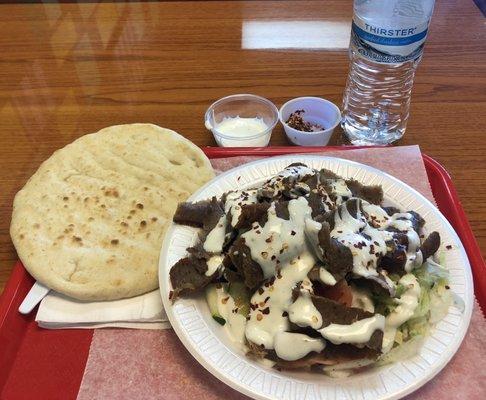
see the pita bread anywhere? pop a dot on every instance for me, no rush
(90, 222)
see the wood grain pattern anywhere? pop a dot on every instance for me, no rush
(71, 69)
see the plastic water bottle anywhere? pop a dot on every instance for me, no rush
(387, 39)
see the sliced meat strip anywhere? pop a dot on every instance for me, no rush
(285, 185)
(313, 274)
(395, 259)
(332, 355)
(337, 257)
(391, 210)
(198, 251)
(256, 352)
(335, 313)
(377, 284)
(417, 221)
(202, 214)
(251, 213)
(230, 272)
(372, 194)
(188, 276)
(430, 245)
(319, 204)
(282, 210)
(231, 275)
(327, 174)
(250, 270)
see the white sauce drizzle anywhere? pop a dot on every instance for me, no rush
(407, 303)
(373, 223)
(295, 173)
(215, 239)
(294, 346)
(261, 328)
(234, 201)
(340, 189)
(401, 221)
(213, 264)
(358, 332)
(311, 230)
(279, 241)
(346, 229)
(326, 277)
(304, 313)
(235, 322)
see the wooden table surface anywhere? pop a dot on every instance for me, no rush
(71, 69)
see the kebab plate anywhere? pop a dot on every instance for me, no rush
(311, 271)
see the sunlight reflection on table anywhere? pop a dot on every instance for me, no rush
(319, 35)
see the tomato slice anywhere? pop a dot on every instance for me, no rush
(340, 292)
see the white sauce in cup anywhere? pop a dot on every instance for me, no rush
(243, 129)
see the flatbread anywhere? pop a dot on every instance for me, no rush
(90, 222)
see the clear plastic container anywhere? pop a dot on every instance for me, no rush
(253, 111)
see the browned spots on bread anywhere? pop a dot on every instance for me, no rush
(21, 236)
(65, 198)
(140, 206)
(133, 211)
(154, 219)
(124, 224)
(112, 192)
(115, 241)
(78, 240)
(143, 224)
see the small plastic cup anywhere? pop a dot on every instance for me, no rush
(317, 111)
(243, 106)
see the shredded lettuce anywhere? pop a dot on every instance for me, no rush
(431, 273)
(384, 304)
(435, 299)
(402, 352)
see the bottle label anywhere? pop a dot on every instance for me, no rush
(388, 45)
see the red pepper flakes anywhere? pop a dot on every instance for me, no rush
(296, 121)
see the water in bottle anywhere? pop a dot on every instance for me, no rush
(387, 39)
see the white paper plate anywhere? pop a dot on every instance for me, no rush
(208, 343)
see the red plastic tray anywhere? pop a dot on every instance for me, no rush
(49, 364)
